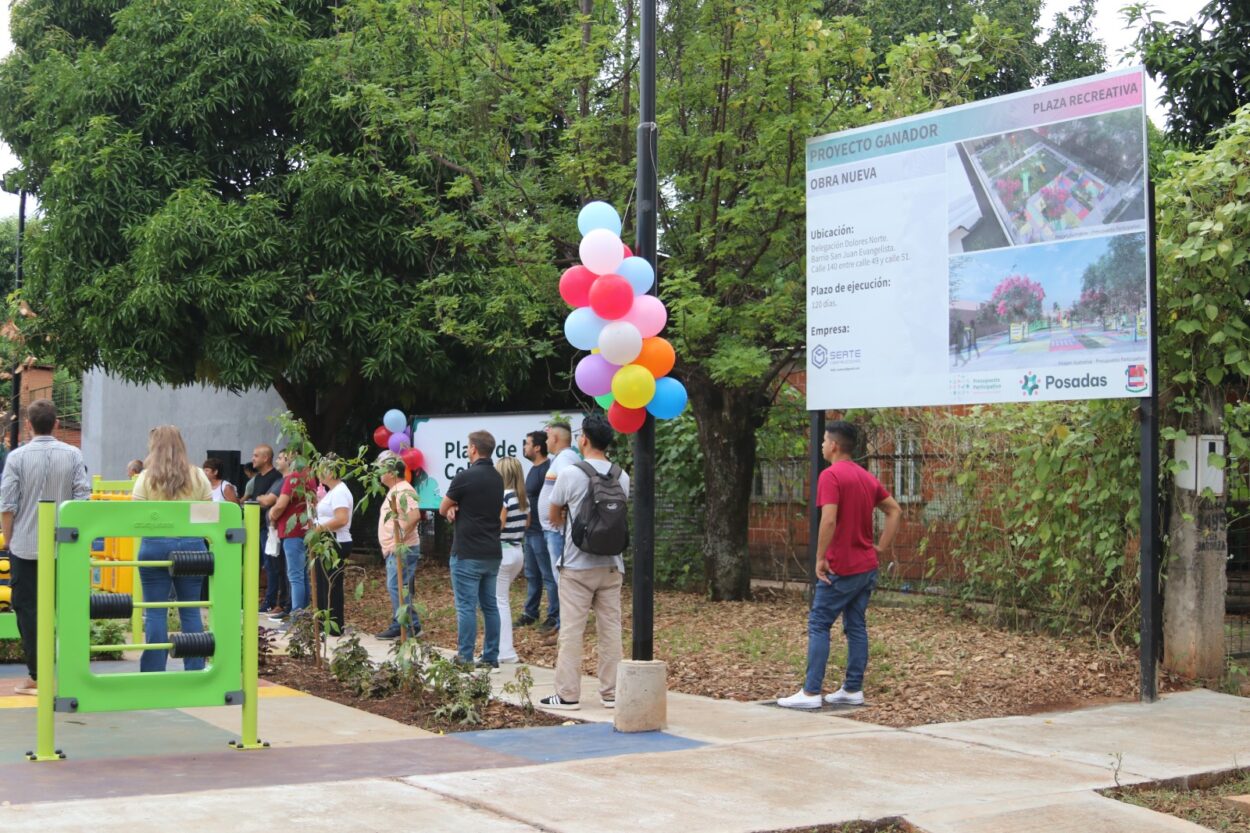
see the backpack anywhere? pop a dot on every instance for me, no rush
(602, 523)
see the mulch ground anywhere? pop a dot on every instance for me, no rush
(928, 664)
(1201, 806)
(406, 708)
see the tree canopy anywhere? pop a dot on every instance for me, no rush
(214, 212)
(1202, 63)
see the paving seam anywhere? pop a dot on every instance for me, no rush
(1033, 755)
(479, 806)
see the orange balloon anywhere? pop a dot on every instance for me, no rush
(657, 356)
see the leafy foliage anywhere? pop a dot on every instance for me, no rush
(1061, 544)
(1072, 49)
(1202, 63)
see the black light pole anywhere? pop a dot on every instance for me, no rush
(644, 441)
(1151, 599)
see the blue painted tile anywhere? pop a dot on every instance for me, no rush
(552, 744)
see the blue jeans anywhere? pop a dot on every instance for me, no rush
(846, 596)
(473, 582)
(555, 549)
(411, 557)
(538, 574)
(157, 584)
(297, 570)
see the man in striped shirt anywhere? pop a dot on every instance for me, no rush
(43, 469)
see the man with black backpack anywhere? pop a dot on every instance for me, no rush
(590, 502)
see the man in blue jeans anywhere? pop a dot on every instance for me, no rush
(560, 445)
(538, 571)
(846, 567)
(474, 504)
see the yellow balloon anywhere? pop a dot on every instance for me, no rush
(633, 386)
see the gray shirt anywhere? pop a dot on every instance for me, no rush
(570, 490)
(43, 469)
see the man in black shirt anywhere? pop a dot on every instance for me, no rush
(474, 503)
(538, 572)
(277, 586)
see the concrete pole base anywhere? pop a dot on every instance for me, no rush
(641, 696)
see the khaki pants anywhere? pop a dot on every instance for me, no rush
(598, 589)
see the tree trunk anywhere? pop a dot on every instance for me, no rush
(1193, 603)
(323, 409)
(727, 420)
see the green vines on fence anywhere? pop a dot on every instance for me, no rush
(1059, 544)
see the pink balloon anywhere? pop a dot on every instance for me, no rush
(611, 296)
(648, 315)
(601, 251)
(594, 375)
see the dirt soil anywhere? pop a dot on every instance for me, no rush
(1201, 806)
(305, 676)
(887, 826)
(928, 664)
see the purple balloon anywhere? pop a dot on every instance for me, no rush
(398, 442)
(594, 375)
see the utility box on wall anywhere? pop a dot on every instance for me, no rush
(1195, 453)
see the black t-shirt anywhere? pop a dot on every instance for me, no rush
(534, 485)
(478, 493)
(264, 482)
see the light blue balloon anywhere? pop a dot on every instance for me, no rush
(638, 272)
(598, 215)
(394, 420)
(582, 328)
(669, 399)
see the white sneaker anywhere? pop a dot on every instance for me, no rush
(842, 697)
(800, 700)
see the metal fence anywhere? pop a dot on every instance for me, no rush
(915, 465)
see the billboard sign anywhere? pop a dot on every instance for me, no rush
(992, 252)
(443, 441)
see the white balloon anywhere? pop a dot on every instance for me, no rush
(620, 342)
(601, 251)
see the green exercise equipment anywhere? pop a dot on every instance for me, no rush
(8, 619)
(67, 605)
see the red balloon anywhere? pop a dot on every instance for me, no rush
(575, 286)
(626, 420)
(381, 436)
(611, 296)
(628, 251)
(413, 458)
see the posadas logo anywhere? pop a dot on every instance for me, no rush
(1028, 384)
(1135, 376)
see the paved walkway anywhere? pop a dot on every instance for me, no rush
(719, 766)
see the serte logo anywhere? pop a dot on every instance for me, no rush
(1028, 385)
(819, 356)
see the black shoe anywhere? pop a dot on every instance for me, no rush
(390, 633)
(493, 667)
(548, 626)
(555, 702)
(524, 621)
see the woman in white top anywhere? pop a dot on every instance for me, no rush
(513, 519)
(334, 517)
(168, 475)
(223, 490)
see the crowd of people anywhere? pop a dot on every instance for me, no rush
(564, 524)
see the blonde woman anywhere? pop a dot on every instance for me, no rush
(168, 475)
(513, 519)
(334, 517)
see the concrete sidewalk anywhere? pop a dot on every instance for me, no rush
(719, 766)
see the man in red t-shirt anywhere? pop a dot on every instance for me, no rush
(846, 570)
(289, 515)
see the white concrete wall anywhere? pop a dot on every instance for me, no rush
(116, 418)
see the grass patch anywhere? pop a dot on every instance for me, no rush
(1200, 802)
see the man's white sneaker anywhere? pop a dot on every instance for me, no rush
(842, 697)
(800, 700)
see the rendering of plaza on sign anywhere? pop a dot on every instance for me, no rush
(1046, 184)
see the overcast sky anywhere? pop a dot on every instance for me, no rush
(1109, 22)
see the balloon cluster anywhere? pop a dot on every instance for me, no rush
(614, 317)
(396, 435)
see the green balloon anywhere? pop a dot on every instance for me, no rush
(605, 401)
